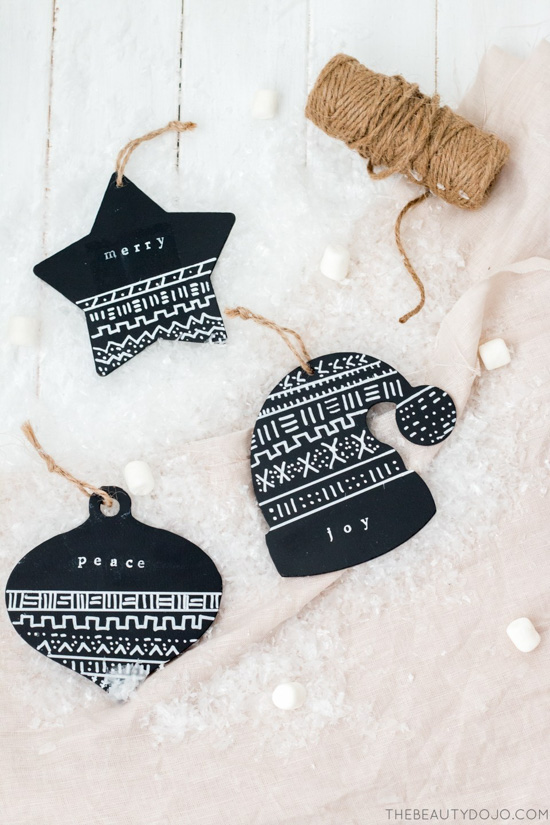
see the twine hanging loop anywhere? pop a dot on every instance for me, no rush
(53, 467)
(124, 155)
(292, 339)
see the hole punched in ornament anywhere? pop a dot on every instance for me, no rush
(113, 510)
(121, 506)
(121, 503)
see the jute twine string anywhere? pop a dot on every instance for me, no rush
(396, 128)
(53, 467)
(286, 334)
(124, 155)
(406, 260)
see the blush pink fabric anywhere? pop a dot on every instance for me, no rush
(474, 721)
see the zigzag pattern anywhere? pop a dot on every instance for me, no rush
(295, 442)
(328, 366)
(108, 634)
(159, 314)
(128, 622)
(123, 321)
(147, 337)
(208, 328)
(311, 447)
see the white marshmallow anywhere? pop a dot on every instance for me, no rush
(139, 478)
(494, 354)
(289, 695)
(523, 634)
(335, 262)
(265, 104)
(23, 330)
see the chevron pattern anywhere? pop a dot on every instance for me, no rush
(106, 635)
(179, 305)
(311, 447)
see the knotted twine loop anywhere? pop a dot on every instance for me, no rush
(286, 334)
(53, 467)
(391, 124)
(124, 155)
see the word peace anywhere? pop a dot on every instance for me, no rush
(98, 561)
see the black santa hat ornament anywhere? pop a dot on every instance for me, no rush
(142, 273)
(332, 494)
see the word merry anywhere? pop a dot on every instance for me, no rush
(98, 562)
(348, 528)
(137, 247)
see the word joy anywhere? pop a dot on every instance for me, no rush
(347, 528)
(99, 562)
(135, 248)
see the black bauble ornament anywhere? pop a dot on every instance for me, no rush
(114, 598)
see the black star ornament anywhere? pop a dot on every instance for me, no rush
(142, 274)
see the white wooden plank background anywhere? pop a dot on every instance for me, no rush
(79, 78)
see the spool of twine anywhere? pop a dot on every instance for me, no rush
(396, 128)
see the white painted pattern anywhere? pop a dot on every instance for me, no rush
(172, 304)
(414, 395)
(341, 499)
(100, 600)
(142, 287)
(137, 69)
(101, 633)
(328, 414)
(350, 469)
